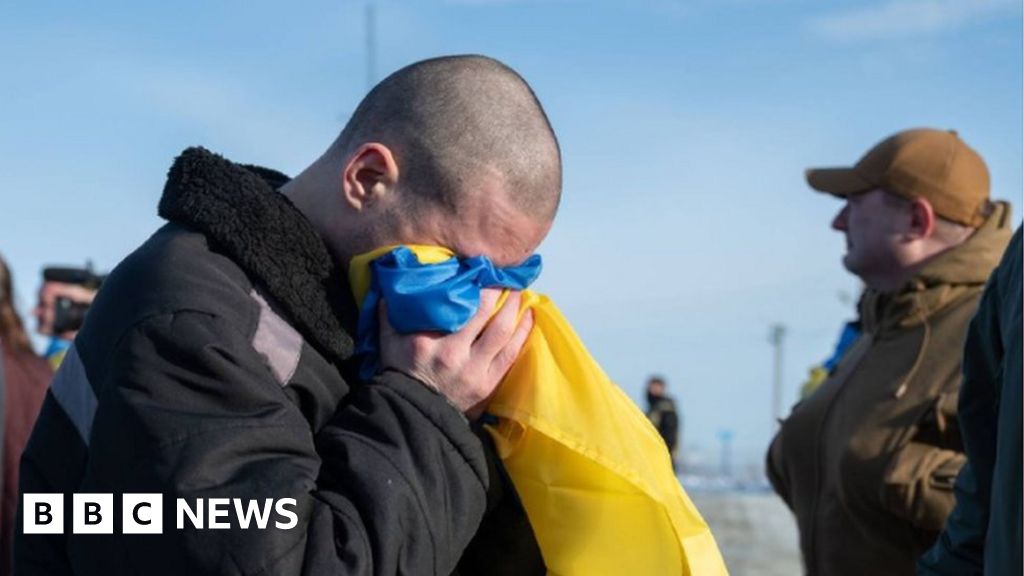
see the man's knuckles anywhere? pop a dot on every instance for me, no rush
(449, 359)
(501, 328)
(421, 347)
(488, 299)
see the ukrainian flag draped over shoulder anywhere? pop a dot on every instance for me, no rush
(593, 475)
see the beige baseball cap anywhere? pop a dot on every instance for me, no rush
(922, 163)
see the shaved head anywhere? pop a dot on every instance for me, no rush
(453, 151)
(454, 121)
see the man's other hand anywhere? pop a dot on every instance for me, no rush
(466, 366)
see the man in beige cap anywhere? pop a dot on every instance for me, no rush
(867, 462)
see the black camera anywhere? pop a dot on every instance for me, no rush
(68, 315)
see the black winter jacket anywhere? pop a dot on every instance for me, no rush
(216, 363)
(983, 533)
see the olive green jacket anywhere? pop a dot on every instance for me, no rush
(867, 462)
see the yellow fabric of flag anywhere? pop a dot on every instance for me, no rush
(594, 476)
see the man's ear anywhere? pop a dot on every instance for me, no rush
(370, 174)
(922, 218)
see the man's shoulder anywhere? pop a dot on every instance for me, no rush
(175, 270)
(1009, 270)
(665, 404)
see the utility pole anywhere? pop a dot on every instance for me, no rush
(725, 460)
(371, 46)
(776, 336)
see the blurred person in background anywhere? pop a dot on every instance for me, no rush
(661, 411)
(983, 533)
(867, 462)
(64, 299)
(25, 377)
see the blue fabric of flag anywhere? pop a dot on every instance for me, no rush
(439, 297)
(849, 335)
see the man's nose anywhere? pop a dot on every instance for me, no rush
(839, 222)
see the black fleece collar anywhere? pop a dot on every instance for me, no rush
(243, 216)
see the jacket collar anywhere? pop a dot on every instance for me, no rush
(943, 279)
(239, 210)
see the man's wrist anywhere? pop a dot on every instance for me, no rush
(433, 389)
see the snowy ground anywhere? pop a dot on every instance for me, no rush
(754, 530)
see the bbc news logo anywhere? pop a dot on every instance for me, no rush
(144, 513)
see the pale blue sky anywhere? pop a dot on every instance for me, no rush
(686, 228)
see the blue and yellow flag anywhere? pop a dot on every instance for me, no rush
(593, 475)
